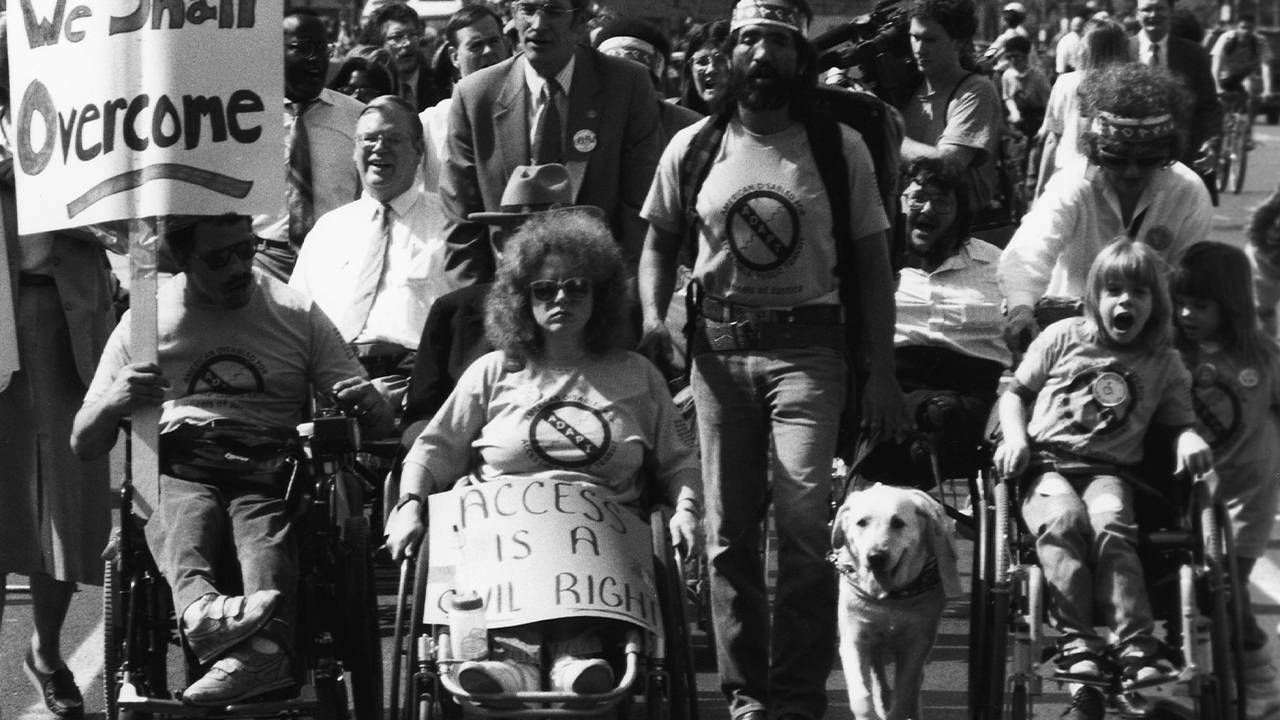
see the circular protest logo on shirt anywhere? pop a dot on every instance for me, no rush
(225, 374)
(570, 434)
(1218, 409)
(763, 229)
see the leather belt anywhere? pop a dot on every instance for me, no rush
(270, 244)
(723, 311)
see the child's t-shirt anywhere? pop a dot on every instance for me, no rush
(1095, 401)
(1236, 408)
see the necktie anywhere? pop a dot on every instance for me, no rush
(375, 260)
(407, 92)
(299, 192)
(1155, 55)
(549, 138)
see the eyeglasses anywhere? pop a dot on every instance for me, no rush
(528, 9)
(575, 288)
(390, 139)
(406, 38)
(914, 201)
(705, 60)
(1114, 161)
(220, 258)
(308, 48)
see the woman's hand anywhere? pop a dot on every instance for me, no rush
(404, 530)
(1194, 453)
(686, 532)
(1012, 456)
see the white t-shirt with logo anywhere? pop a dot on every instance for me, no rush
(765, 235)
(256, 364)
(601, 421)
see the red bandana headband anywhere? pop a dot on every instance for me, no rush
(1109, 126)
(777, 13)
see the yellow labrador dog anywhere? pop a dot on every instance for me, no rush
(897, 560)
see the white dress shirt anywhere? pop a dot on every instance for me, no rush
(535, 83)
(957, 306)
(1144, 50)
(331, 132)
(413, 275)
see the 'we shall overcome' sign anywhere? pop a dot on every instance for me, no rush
(136, 108)
(539, 550)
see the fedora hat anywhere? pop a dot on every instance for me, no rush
(532, 190)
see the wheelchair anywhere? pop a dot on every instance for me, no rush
(1187, 552)
(337, 647)
(657, 667)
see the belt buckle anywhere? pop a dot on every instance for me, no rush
(747, 330)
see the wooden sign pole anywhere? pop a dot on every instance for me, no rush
(144, 340)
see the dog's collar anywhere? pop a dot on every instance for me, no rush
(928, 579)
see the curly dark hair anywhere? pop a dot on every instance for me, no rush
(394, 11)
(584, 243)
(958, 17)
(1133, 90)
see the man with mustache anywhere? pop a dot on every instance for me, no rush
(791, 254)
(239, 357)
(319, 129)
(376, 264)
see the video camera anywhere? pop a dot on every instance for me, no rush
(879, 46)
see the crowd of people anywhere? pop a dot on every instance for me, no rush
(511, 212)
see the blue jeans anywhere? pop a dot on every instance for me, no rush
(195, 524)
(1086, 542)
(768, 421)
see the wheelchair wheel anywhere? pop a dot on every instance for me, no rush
(331, 698)
(1221, 696)
(361, 651)
(990, 597)
(672, 693)
(112, 631)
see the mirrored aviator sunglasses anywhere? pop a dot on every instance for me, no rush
(575, 288)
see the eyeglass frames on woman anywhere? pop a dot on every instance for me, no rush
(575, 288)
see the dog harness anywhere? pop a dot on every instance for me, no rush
(928, 579)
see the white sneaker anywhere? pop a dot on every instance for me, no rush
(488, 677)
(581, 676)
(254, 668)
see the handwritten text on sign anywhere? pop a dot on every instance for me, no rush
(538, 550)
(132, 108)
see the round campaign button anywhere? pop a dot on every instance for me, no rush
(1249, 377)
(1110, 390)
(584, 141)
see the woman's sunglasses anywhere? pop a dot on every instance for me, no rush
(575, 288)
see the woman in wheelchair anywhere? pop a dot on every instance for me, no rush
(948, 341)
(557, 400)
(238, 358)
(1235, 384)
(1097, 382)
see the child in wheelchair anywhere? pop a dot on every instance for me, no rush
(1097, 383)
(238, 357)
(1235, 387)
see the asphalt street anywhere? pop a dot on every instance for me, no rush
(944, 695)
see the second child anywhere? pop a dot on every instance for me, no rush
(1235, 388)
(1097, 383)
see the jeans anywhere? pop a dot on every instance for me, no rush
(1086, 542)
(768, 421)
(192, 528)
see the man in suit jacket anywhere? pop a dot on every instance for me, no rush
(398, 29)
(1187, 61)
(609, 137)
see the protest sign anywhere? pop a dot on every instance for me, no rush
(538, 550)
(135, 108)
